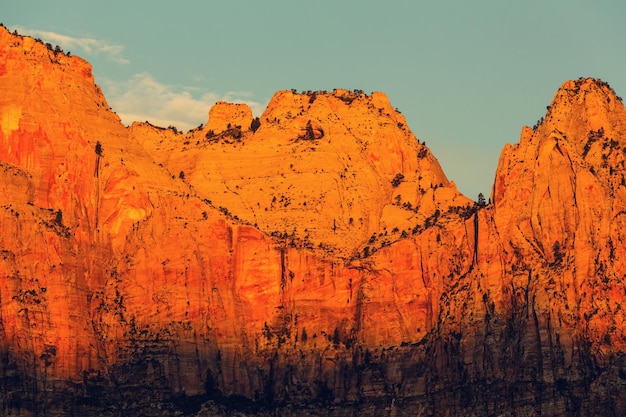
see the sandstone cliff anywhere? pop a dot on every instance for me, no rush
(325, 170)
(316, 258)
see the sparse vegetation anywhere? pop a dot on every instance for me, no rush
(58, 218)
(98, 149)
(309, 133)
(397, 180)
(557, 253)
(481, 200)
(256, 123)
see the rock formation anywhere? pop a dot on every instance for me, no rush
(313, 260)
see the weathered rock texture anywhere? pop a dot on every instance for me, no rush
(324, 170)
(315, 260)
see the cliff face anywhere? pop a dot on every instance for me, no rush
(325, 170)
(315, 257)
(565, 183)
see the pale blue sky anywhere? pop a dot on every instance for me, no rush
(467, 75)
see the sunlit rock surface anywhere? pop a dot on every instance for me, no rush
(314, 260)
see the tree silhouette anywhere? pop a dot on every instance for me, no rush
(558, 253)
(98, 150)
(397, 180)
(58, 218)
(310, 134)
(256, 123)
(96, 173)
(481, 200)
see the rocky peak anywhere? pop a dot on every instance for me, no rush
(128, 289)
(326, 169)
(588, 92)
(35, 49)
(585, 123)
(224, 116)
(562, 185)
(289, 103)
(582, 106)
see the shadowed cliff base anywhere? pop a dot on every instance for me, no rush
(313, 261)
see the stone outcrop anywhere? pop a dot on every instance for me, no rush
(316, 258)
(224, 116)
(326, 171)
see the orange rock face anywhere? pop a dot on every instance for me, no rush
(317, 257)
(325, 170)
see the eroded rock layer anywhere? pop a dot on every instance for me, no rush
(312, 260)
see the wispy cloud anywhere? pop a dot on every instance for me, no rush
(143, 98)
(88, 46)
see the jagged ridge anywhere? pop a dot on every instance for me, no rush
(139, 274)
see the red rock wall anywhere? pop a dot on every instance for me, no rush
(126, 286)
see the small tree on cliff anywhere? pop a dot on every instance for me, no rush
(481, 200)
(256, 123)
(397, 180)
(309, 132)
(98, 150)
(558, 253)
(58, 218)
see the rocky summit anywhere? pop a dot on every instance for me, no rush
(314, 260)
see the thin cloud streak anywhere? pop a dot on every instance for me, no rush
(89, 46)
(142, 98)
